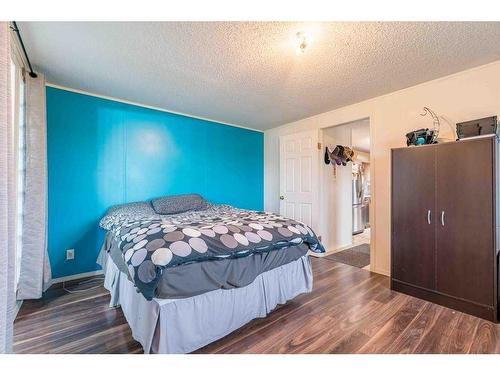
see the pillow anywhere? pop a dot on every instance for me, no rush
(135, 209)
(176, 204)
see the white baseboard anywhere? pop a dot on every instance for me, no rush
(331, 251)
(381, 271)
(77, 276)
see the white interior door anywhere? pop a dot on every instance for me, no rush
(299, 178)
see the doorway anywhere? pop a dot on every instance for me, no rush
(346, 194)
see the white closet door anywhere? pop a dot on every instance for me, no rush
(299, 178)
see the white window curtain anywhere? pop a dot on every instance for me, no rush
(35, 274)
(19, 114)
(8, 210)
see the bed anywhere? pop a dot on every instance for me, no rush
(186, 272)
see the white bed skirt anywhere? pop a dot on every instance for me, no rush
(185, 325)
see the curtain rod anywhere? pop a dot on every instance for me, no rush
(16, 30)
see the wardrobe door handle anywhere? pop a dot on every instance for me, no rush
(428, 217)
(442, 218)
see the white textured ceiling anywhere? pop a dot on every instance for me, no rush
(248, 73)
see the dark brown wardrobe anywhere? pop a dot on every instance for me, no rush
(444, 218)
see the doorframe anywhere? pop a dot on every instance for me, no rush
(372, 216)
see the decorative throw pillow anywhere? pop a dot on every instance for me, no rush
(175, 204)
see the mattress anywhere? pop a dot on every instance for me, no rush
(151, 247)
(197, 278)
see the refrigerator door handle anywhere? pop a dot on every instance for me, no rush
(429, 217)
(442, 218)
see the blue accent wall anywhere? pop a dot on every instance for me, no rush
(102, 153)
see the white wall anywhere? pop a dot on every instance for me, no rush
(336, 194)
(463, 96)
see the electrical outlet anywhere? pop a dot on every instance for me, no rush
(70, 254)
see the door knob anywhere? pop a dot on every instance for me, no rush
(282, 197)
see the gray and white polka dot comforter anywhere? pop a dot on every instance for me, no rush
(150, 245)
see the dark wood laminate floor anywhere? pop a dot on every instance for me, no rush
(349, 311)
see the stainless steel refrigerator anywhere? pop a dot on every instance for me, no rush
(358, 207)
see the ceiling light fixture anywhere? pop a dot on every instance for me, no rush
(303, 41)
